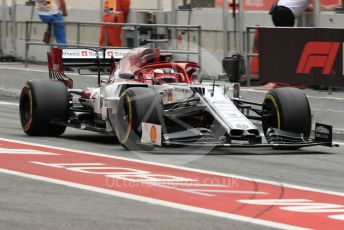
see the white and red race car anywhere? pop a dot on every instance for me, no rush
(149, 100)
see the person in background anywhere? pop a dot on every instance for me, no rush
(284, 12)
(115, 11)
(50, 11)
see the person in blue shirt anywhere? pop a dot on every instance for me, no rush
(50, 11)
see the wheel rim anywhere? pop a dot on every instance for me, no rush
(26, 108)
(124, 121)
(274, 120)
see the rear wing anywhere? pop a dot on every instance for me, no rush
(91, 57)
(59, 59)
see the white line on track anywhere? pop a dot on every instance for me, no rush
(254, 90)
(8, 103)
(328, 97)
(41, 71)
(338, 143)
(309, 96)
(24, 69)
(339, 129)
(329, 110)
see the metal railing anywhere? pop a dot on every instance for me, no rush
(134, 28)
(249, 54)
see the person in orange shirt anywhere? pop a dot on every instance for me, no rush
(115, 11)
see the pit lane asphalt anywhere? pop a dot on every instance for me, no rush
(30, 204)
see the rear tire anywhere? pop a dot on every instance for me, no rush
(290, 111)
(41, 101)
(137, 105)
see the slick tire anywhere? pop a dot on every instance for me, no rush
(40, 102)
(289, 110)
(136, 105)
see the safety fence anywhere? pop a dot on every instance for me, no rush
(170, 30)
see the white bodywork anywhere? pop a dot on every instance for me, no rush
(218, 104)
(104, 99)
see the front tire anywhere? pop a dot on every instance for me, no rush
(136, 105)
(41, 101)
(288, 110)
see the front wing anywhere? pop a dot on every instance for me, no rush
(276, 139)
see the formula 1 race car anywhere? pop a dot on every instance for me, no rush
(149, 100)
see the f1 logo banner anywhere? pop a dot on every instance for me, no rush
(312, 56)
(318, 54)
